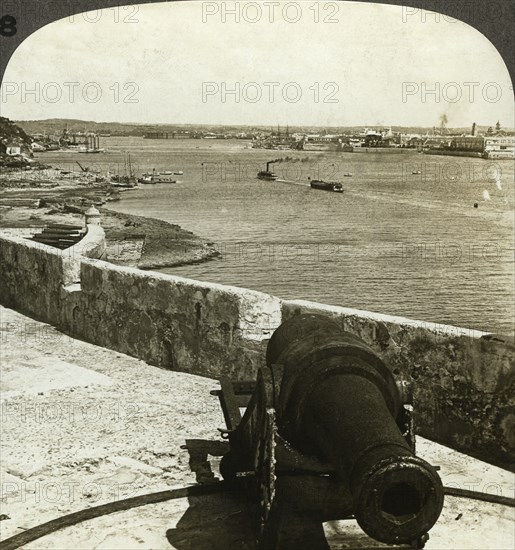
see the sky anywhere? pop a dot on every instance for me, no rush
(320, 64)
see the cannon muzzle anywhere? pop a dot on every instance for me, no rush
(340, 402)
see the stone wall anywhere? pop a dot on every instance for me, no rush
(34, 275)
(172, 322)
(463, 380)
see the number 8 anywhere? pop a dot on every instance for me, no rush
(8, 25)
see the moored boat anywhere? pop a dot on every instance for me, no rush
(91, 151)
(170, 173)
(162, 178)
(146, 178)
(158, 177)
(128, 179)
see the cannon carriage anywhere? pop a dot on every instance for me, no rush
(326, 434)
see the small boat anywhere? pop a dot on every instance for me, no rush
(158, 177)
(267, 174)
(162, 178)
(124, 184)
(347, 175)
(146, 178)
(169, 173)
(123, 181)
(90, 151)
(334, 186)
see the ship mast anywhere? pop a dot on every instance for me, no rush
(130, 165)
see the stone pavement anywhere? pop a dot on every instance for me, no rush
(83, 425)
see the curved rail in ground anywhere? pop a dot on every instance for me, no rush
(39, 531)
(49, 527)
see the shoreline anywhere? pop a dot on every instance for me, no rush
(31, 200)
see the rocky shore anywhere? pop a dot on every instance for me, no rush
(30, 199)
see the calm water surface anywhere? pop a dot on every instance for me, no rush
(394, 242)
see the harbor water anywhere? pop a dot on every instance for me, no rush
(412, 235)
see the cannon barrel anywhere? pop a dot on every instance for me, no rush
(339, 401)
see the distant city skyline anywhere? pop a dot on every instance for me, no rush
(181, 63)
(292, 127)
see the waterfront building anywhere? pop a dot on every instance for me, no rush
(468, 143)
(499, 145)
(317, 142)
(492, 145)
(317, 138)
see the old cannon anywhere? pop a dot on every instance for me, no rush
(327, 434)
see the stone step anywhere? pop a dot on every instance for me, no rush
(65, 226)
(59, 243)
(52, 232)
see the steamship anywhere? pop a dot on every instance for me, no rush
(267, 174)
(160, 177)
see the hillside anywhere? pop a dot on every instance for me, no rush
(56, 126)
(12, 135)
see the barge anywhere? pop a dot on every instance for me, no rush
(333, 186)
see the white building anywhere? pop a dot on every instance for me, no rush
(499, 146)
(13, 150)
